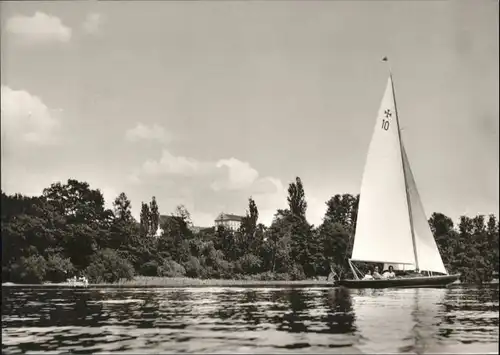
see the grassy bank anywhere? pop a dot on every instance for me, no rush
(158, 282)
(143, 281)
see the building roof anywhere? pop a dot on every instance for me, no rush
(228, 217)
(164, 219)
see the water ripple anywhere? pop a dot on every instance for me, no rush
(246, 320)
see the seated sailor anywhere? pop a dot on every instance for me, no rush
(368, 275)
(389, 274)
(333, 275)
(376, 274)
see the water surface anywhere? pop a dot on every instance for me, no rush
(250, 320)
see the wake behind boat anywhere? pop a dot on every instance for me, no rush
(391, 226)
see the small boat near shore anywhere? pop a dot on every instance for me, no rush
(391, 227)
(72, 282)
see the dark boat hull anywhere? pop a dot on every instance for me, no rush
(403, 282)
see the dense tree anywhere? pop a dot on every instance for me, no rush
(145, 219)
(123, 208)
(249, 222)
(79, 203)
(277, 248)
(335, 244)
(182, 212)
(67, 231)
(492, 242)
(342, 209)
(107, 266)
(85, 217)
(463, 249)
(304, 244)
(125, 234)
(174, 240)
(446, 237)
(154, 217)
(249, 238)
(58, 268)
(122, 227)
(297, 199)
(31, 269)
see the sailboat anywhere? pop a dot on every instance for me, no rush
(392, 227)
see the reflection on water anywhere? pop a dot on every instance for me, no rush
(252, 320)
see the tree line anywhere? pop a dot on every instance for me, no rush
(68, 231)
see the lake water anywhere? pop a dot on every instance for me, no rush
(249, 320)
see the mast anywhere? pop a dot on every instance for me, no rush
(384, 232)
(408, 203)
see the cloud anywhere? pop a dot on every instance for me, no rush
(208, 187)
(92, 23)
(26, 118)
(143, 132)
(240, 175)
(226, 174)
(170, 164)
(39, 28)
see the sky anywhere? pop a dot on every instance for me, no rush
(207, 103)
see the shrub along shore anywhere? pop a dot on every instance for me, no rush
(68, 231)
(188, 282)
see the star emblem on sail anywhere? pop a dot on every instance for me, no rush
(392, 227)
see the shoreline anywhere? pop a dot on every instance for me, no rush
(175, 282)
(172, 282)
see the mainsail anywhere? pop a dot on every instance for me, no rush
(383, 227)
(391, 225)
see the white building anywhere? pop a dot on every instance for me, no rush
(229, 221)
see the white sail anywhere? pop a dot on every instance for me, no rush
(429, 258)
(383, 228)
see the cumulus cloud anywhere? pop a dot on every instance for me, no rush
(26, 118)
(170, 164)
(226, 174)
(240, 175)
(39, 28)
(92, 23)
(144, 132)
(208, 187)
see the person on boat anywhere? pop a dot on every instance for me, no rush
(368, 275)
(333, 275)
(389, 274)
(376, 275)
